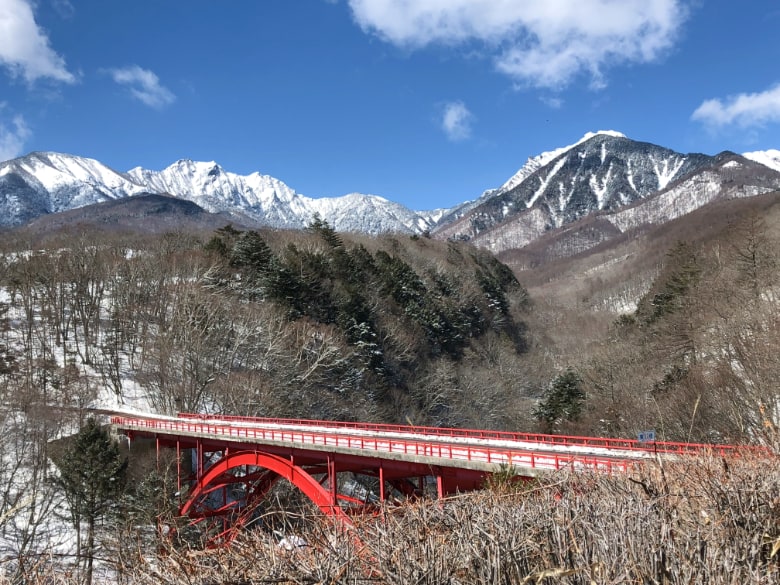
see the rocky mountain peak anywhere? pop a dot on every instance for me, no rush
(534, 163)
(602, 172)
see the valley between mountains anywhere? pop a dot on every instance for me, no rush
(610, 287)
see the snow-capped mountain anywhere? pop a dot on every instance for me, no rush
(535, 163)
(730, 176)
(271, 202)
(602, 172)
(42, 183)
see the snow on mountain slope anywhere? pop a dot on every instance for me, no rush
(535, 163)
(42, 183)
(207, 182)
(57, 171)
(603, 171)
(731, 177)
(270, 201)
(357, 212)
(728, 177)
(47, 182)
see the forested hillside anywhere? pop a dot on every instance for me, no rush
(676, 330)
(698, 358)
(403, 329)
(298, 324)
(306, 324)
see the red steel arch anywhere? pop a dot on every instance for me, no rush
(297, 476)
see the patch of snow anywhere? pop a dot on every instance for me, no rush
(680, 200)
(543, 182)
(666, 170)
(600, 188)
(631, 176)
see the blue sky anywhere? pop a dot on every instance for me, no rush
(424, 102)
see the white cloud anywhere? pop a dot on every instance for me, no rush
(13, 138)
(745, 109)
(537, 43)
(24, 47)
(456, 121)
(143, 85)
(552, 102)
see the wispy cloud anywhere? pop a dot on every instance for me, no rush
(539, 44)
(744, 110)
(24, 47)
(456, 121)
(144, 85)
(553, 102)
(64, 8)
(13, 138)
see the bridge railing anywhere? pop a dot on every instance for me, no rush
(445, 432)
(378, 444)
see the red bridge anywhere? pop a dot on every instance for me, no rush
(236, 460)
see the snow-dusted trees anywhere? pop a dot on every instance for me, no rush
(302, 324)
(28, 503)
(372, 321)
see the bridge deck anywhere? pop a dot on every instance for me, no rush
(486, 451)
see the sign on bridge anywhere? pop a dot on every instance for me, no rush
(646, 436)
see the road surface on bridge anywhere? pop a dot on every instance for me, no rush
(488, 451)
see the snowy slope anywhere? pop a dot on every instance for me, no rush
(730, 176)
(273, 203)
(602, 172)
(535, 163)
(46, 182)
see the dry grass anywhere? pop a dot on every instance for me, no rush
(715, 522)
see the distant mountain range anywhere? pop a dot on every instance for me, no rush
(604, 174)
(45, 182)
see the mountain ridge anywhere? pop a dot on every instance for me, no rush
(604, 171)
(46, 182)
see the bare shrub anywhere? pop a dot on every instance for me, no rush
(706, 520)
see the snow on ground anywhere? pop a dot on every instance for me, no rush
(30, 505)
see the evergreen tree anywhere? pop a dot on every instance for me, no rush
(250, 250)
(682, 271)
(323, 229)
(223, 240)
(92, 476)
(562, 401)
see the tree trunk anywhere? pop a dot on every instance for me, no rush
(90, 552)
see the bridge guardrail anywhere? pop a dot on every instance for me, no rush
(444, 432)
(453, 452)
